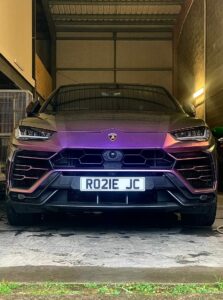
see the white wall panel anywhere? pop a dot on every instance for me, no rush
(85, 54)
(144, 54)
(137, 61)
(72, 77)
(145, 77)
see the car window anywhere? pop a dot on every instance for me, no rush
(119, 99)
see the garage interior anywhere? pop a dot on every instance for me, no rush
(172, 43)
(177, 44)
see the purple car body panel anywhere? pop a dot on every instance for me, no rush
(91, 131)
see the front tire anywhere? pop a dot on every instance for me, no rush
(21, 219)
(205, 219)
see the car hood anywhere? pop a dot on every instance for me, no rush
(98, 122)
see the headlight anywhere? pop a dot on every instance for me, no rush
(31, 133)
(192, 134)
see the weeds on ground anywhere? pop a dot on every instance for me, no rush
(7, 288)
(115, 290)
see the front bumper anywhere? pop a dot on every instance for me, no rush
(179, 177)
(60, 190)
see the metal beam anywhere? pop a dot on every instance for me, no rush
(51, 25)
(34, 39)
(118, 69)
(71, 38)
(77, 17)
(52, 30)
(115, 28)
(114, 2)
(115, 23)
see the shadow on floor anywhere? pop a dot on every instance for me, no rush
(117, 222)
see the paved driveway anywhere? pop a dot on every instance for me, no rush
(109, 242)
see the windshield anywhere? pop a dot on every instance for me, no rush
(119, 98)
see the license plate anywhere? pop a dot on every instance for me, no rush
(112, 184)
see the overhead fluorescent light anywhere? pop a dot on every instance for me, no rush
(198, 93)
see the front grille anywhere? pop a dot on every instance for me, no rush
(197, 168)
(95, 159)
(28, 167)
(76, 158)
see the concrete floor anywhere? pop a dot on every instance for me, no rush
(111, 247)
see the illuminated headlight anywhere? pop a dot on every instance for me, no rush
(31, 133)
(192, 134)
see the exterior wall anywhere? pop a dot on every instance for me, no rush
(106, 60)
(16, 35)
(214, 84)
(190, 61)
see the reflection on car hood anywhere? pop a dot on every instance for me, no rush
(127, 122)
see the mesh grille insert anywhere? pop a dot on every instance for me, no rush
(197, 168)
(130, 159)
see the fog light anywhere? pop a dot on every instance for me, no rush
(21, 196)
(204, 197)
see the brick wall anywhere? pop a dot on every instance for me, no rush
(214, 70)
(190, 57)
(199, 61)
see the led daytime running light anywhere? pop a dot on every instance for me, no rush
(31, 133)
(192, 134)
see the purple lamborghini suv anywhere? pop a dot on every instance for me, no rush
(111, 146)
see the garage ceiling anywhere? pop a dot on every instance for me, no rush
(113, 16)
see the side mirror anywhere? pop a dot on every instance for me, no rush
(33, 108)
(190, 109)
